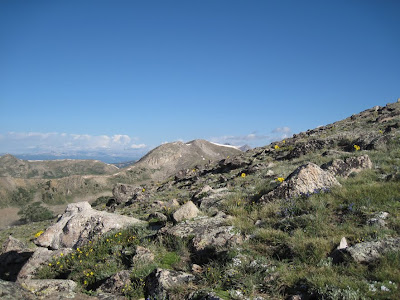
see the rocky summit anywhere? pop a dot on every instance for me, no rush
(314, 216)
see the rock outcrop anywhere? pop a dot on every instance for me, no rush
(54, 288)
(306, 179)
(368, 252)
(187, 211)
(79, 224)
(116, 283)
(210, 235)
(160, 281)
(348, 166)
(12, 291)
(125, 192)
(40, 257)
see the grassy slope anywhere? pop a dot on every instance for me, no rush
(288, 251)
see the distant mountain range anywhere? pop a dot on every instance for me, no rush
(104, 157)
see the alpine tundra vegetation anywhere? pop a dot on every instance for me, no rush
(314, 216)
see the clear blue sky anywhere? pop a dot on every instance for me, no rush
(133, 74)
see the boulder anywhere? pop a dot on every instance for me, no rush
(303, 148)
(40, 257)
(160, 281)
(50, 288)
(350, 165)
(214, 198)
(306, 179)
(14, 256)
(187, 211)
(209, 235)
(79, 224)
(13, 244)
(143, 255)
(12, 291)
(124, 192)
(116, 283)
(378, 219)
(157, 216)
(368, 252)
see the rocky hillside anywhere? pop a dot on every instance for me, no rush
(315, 216)
(170, 158)
(11, 166)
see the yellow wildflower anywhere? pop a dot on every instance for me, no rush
(276, 147)
(39, 233)
(280, 179)
(143, 190)
(58, 263)
(50, 265)
(61, 254)
(91, 273)
(85, 282)
(357, 147)
(243, 175)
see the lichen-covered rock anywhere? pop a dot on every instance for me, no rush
(14, 291)
(125, 192)
(306, 179)
(350, 165)
(117, 283)
(209, 234)
(40, 257)
(160, 281)
(50, 288)
(142, 255)
(79, 224)
(187, 211)
(368, 252)
(378, 219)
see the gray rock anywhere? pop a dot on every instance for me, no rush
(157, 215)
(368, 252)
(79, 224)
(378, 219)
(143, 255)
(350, 165)
(54, 288)
(306, 179)
(160, 281)
(14, 291)
(40, 257)
(13, 244)
(187, 211)
(125, 192)
(214, 198)
(116, 283)
(209, 234)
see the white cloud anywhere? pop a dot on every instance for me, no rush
(19, 142)
(140, 146)
(253, 139)
(121, 138)
(282, 130)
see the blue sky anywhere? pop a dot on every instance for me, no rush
(126, 76)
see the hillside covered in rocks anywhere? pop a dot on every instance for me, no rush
(315, 216)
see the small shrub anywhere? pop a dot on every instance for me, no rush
(35, 212)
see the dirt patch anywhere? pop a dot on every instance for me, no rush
(8, 216)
